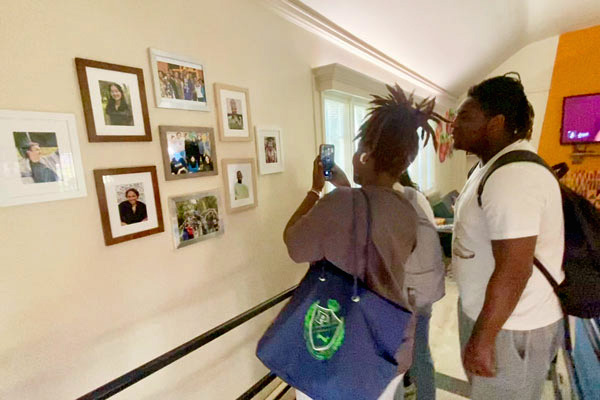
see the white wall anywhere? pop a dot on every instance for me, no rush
(535, 63)
(75, 313)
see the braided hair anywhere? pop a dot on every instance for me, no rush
(391, 131)
(505, 95)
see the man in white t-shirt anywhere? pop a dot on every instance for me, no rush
(510, 320)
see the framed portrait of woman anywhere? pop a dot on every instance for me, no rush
(269, 150)
(129, 203)
(114, 102)
(233, 113)
(188, 151)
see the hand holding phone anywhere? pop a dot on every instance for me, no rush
(326, 152)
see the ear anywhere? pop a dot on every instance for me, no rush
(496, 124)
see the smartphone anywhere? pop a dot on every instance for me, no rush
(327, 152)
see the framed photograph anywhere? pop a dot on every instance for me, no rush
(269, 150)
(129, 203)
(39, 158)
(188, 151)
(114, 102)
(196, 217)
(233, 113)
(179, 82)
(240, 184)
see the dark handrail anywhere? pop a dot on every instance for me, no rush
(124, 381)
(258, 386)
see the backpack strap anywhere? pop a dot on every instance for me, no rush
(472, 169)
(508, 158)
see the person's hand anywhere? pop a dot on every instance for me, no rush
(338, 177)
(480, 356)
(318, 176)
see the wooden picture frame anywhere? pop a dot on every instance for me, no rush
(40, 159)
(118, 223)
(248, 195)
(106, 121)
(172, 91)
(174, 147)
(233, 113)
(269, 150)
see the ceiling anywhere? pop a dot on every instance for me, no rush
(455, 43)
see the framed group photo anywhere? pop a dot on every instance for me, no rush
(196, 217)
(40, 158)
(188, 151)
(233, 113)
(114, 102)
(129, 203)
(269, 150)
(179, 81)
(240, 184)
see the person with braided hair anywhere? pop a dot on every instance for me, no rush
(322, 228)
(510, 320)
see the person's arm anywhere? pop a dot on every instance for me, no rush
(311, 198)
(514, 260)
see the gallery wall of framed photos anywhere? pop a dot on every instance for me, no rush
(77, 311)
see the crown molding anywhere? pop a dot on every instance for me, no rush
(309, 19)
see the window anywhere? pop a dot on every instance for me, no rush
(343, 116)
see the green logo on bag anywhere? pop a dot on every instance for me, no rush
(323, 330)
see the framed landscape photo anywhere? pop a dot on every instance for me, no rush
(196, 217)
(240, 184)
(269, 150)
(188, 151)
(114, 102)
(39, 158)
(129, 203)
(179, 81)
(233, 113)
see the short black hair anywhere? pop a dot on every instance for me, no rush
(505, 95)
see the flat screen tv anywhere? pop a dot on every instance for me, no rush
(581, 119)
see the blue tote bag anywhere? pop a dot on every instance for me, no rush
(335, 339)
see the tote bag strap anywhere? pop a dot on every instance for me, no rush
(364, 264)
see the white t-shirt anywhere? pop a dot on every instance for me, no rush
(421, 200)
(519, 200)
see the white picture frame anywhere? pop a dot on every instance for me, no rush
(174, 92)
(40, 159)
(240, 196)
(269, 150)
(202, 217)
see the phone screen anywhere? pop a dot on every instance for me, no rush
(327, 159)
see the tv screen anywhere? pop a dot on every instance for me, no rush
(581, 119)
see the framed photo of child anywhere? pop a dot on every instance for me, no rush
(188, 151)
(269, 150)
(233, 113)
(114, 102)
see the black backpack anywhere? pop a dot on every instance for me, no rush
(579, 293)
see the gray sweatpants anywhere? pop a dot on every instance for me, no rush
(522, 361)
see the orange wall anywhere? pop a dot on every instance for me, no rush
(576, 71)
